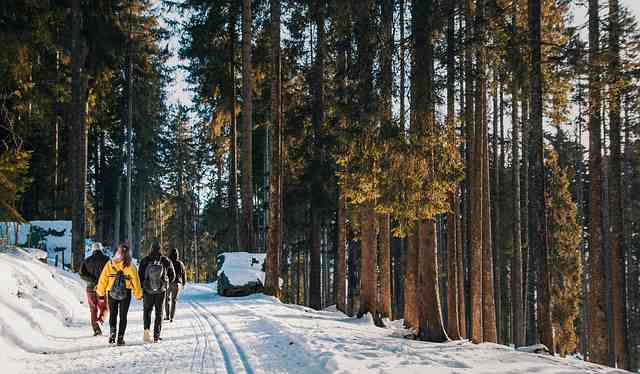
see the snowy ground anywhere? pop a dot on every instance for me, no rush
(45, 330)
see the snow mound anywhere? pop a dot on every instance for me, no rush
(37, 302)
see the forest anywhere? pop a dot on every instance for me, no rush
(469, 166)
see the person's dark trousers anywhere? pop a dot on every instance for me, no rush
(119, 309)
(151, 302)
(170, 300)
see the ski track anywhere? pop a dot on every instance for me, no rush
(203, 337)
(235, 358)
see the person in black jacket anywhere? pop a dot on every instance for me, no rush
(90, 272)
(156, 274)
(176, 285)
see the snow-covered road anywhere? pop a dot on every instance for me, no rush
(44, 328)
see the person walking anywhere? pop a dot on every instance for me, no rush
(90, 271)
(176, 286)
(156, 272)
(119, 280)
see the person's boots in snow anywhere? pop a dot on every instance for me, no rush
(112, 337)
(96, 330)
(120, 341)
(147, 336)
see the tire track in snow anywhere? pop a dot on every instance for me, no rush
(226, 341)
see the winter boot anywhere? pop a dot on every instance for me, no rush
(112, 337)
(120, 341)
(147, 336)
(96, 330)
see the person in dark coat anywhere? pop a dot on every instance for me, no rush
(176, 286)
(90, 271)
(156, 274)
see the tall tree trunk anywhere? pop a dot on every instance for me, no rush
(580, 172)
(538, 244)
(248, 237)
(116, 210)
(495, 209)
(340, 274)
(476, 169)
(231, 96)
(616, 229)
(469, 128)
(364, 40)
(502, 272)
(352, 274)
(384, 251)
(79, 135)
(462, 311)
(598, 342)
(530, 273)
(517, 304)
(402, 65)
(272, 275)
(128, 216)
(140, 214)
(453, 326)
(633, 255)
(430, 316)
(317, 89)
(490, 333)
(98, 179)
(384, 255)
(368, 281)
(410, 281)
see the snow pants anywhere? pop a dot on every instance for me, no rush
(151, 302)
(97, 307)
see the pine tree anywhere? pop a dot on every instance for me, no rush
(564, 259)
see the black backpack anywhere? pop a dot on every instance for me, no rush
(155, 278)
(119, 290)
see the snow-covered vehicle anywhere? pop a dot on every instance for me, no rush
(240, 273)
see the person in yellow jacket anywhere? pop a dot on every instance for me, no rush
(119, 279)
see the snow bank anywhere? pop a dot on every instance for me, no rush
(284, 338)
(37, 302)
